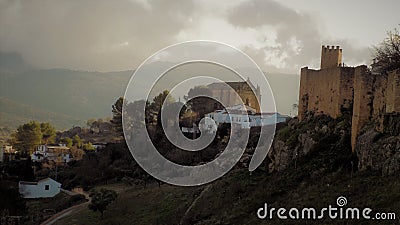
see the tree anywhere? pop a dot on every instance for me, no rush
(117, 116)
(48, 133)
(67, 141)
(387, 53)
(101, 199)
(156, 105)
(135, 114)
(88, 147)
(200, 104)
(77, 141)
(28, 137)
(32, 134)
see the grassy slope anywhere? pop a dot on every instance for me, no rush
(139, 205)
(44, 208)
(235, 198)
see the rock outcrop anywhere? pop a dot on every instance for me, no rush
(380, 150)
(299, 139)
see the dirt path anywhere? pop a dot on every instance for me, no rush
(68, 211)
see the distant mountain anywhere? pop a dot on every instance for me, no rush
(69, 97)
(14, 113)
(76, 94)
(12, 62)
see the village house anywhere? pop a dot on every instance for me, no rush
(45, 188)
(60, 154)
(7, 153)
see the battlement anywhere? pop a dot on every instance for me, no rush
(331, 56)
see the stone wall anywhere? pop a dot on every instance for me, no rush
(375, 96)
(319, 91)
(331, 57)
(335, 90)
(327, 91)
(393, 92)
(363, 101)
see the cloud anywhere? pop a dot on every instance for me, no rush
(297, 35)
(118, 35)
(92, 35)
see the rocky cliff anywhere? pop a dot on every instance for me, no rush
(375, 150)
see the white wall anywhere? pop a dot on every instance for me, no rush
(38, 190)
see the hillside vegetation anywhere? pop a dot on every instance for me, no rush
(324, 170)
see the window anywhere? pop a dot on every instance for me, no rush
(46, 187)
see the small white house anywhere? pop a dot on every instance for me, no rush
(238, 114)
(45, 188)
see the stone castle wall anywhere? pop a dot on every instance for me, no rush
(319, 91)
(376, 96)
(393, 92)
(334, 90)
(362, 103)
(327, 91)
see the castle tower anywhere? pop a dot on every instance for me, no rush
(331, 57)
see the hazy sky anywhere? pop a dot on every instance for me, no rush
(118, 35)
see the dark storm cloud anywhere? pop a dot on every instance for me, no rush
(91, 34)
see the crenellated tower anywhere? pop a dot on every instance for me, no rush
(331, 57)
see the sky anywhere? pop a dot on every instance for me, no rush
(103, 35)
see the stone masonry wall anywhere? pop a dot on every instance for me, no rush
(320, 92)
(363, 101)
(393, 92)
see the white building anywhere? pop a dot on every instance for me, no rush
(59, 153)
(45, 188)
(241, 115)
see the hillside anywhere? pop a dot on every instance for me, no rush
(64, 97)
(310, 165)
(14, 113)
